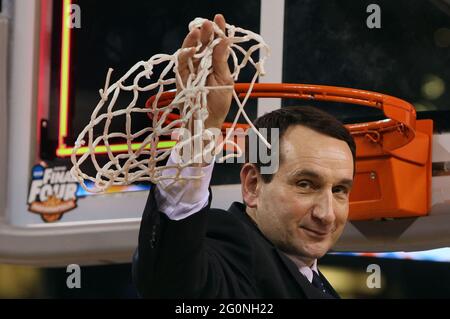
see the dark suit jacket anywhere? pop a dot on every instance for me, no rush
(213, 254)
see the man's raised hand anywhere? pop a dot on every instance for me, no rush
(219, 101)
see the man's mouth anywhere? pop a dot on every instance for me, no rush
(315, 232)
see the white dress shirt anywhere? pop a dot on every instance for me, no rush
(303, 268)
(183, 198)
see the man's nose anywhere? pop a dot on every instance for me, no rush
(324, 209)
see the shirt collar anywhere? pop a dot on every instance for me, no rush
(303, 268)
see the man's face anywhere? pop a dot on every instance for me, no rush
(303, 210)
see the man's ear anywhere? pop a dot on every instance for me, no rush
(250, 180)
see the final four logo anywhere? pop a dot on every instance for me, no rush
(52, 192)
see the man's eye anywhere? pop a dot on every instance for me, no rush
(340, 190)
(305, 184)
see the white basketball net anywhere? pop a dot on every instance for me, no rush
(140, 164)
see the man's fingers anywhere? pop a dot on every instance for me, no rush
(191, 39)
(184, 56)
(220, 21)
(220, 60)
(221, 52)
(183, 59)
(206, 32)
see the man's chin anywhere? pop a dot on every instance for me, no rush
(314, 250)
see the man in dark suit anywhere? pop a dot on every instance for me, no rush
(267, 247)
